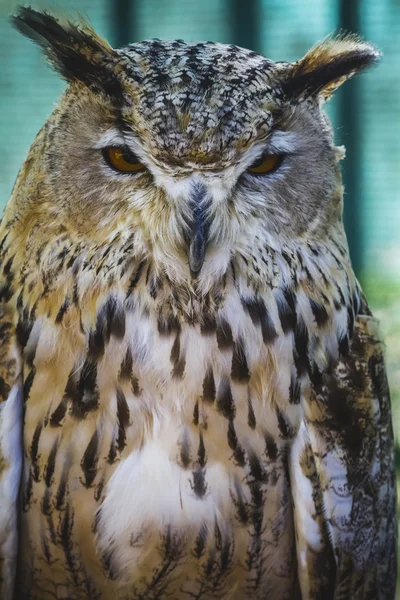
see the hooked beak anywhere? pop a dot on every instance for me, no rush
(198, 229)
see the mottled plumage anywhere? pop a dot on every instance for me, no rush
(194, 394)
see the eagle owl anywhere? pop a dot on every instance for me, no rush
(195, 403)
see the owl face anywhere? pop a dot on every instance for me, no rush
(196, 149)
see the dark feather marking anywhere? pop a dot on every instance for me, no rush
(7, 268)
(46, 549)
(112, 453)
(340, 293)
(123, 416)
(224, 335)
(51, 463)
(45, 505)
(65, 534)
(320, 313)
(201, 452)
(178, 361)
(179, 369)
(148, 273)
(256, 470)
(99, 490)
(240, 371)
(34, 452)
(376, 371)
(196, 414)
(167, 326)
(110, 321)
(301, 348)
(75, 294)
(28, 383)
(225, 403)
(199, 485)
(208, 324)
(232, 437)
(344, 345)
(90, 460)
(135, 278)
(107, 560)
(23, 329)
(185, 452)
(238, 452)
(96, 342)
(294, 390)
(200, 542)
(4, 389)
(175, 350)
(117, 324)
(135, 386)
(268, 330)
(251, 419)
(155, 286)
(270, 446)
(240, 504)
(287, 311)
(6, 292)
(125, 373)
(316, 376)
(27, 492)
(350, 321)
(209, 386)
(259, 315)
(286, 429)
(85, 395)
(63, 309)
(239, 456)
(59, 413)
(345, 417)
(62, 489)
(3, 241)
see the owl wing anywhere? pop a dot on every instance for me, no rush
(343, 478)
(11, 419)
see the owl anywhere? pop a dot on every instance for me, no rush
(194, 398)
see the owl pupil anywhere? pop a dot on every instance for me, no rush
(258, 162)
(129, 157)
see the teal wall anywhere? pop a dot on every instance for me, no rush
(282, 30)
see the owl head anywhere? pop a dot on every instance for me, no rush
(196, 150)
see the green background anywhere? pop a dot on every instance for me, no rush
(366, 112)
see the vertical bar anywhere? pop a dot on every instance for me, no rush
(123, 22)
(245, 24)
(350, 126)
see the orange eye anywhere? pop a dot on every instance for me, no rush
(266, 164)
(122, 159)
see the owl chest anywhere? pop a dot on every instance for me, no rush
(174, 433)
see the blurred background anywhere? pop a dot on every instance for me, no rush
(365, 112)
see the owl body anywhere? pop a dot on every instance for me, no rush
(195, 402)
(179, 461)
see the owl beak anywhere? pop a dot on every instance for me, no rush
(198, 229)
(197, 252)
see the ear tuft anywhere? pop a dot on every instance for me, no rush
(74, 50)
(327, 65)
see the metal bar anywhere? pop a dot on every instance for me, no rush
(123, 22)
(350, 127)
(245, 24)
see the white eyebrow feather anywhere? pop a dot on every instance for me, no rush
(112, 137)
(283, 142)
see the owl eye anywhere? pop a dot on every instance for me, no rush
(122, 160)
(268, 163)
